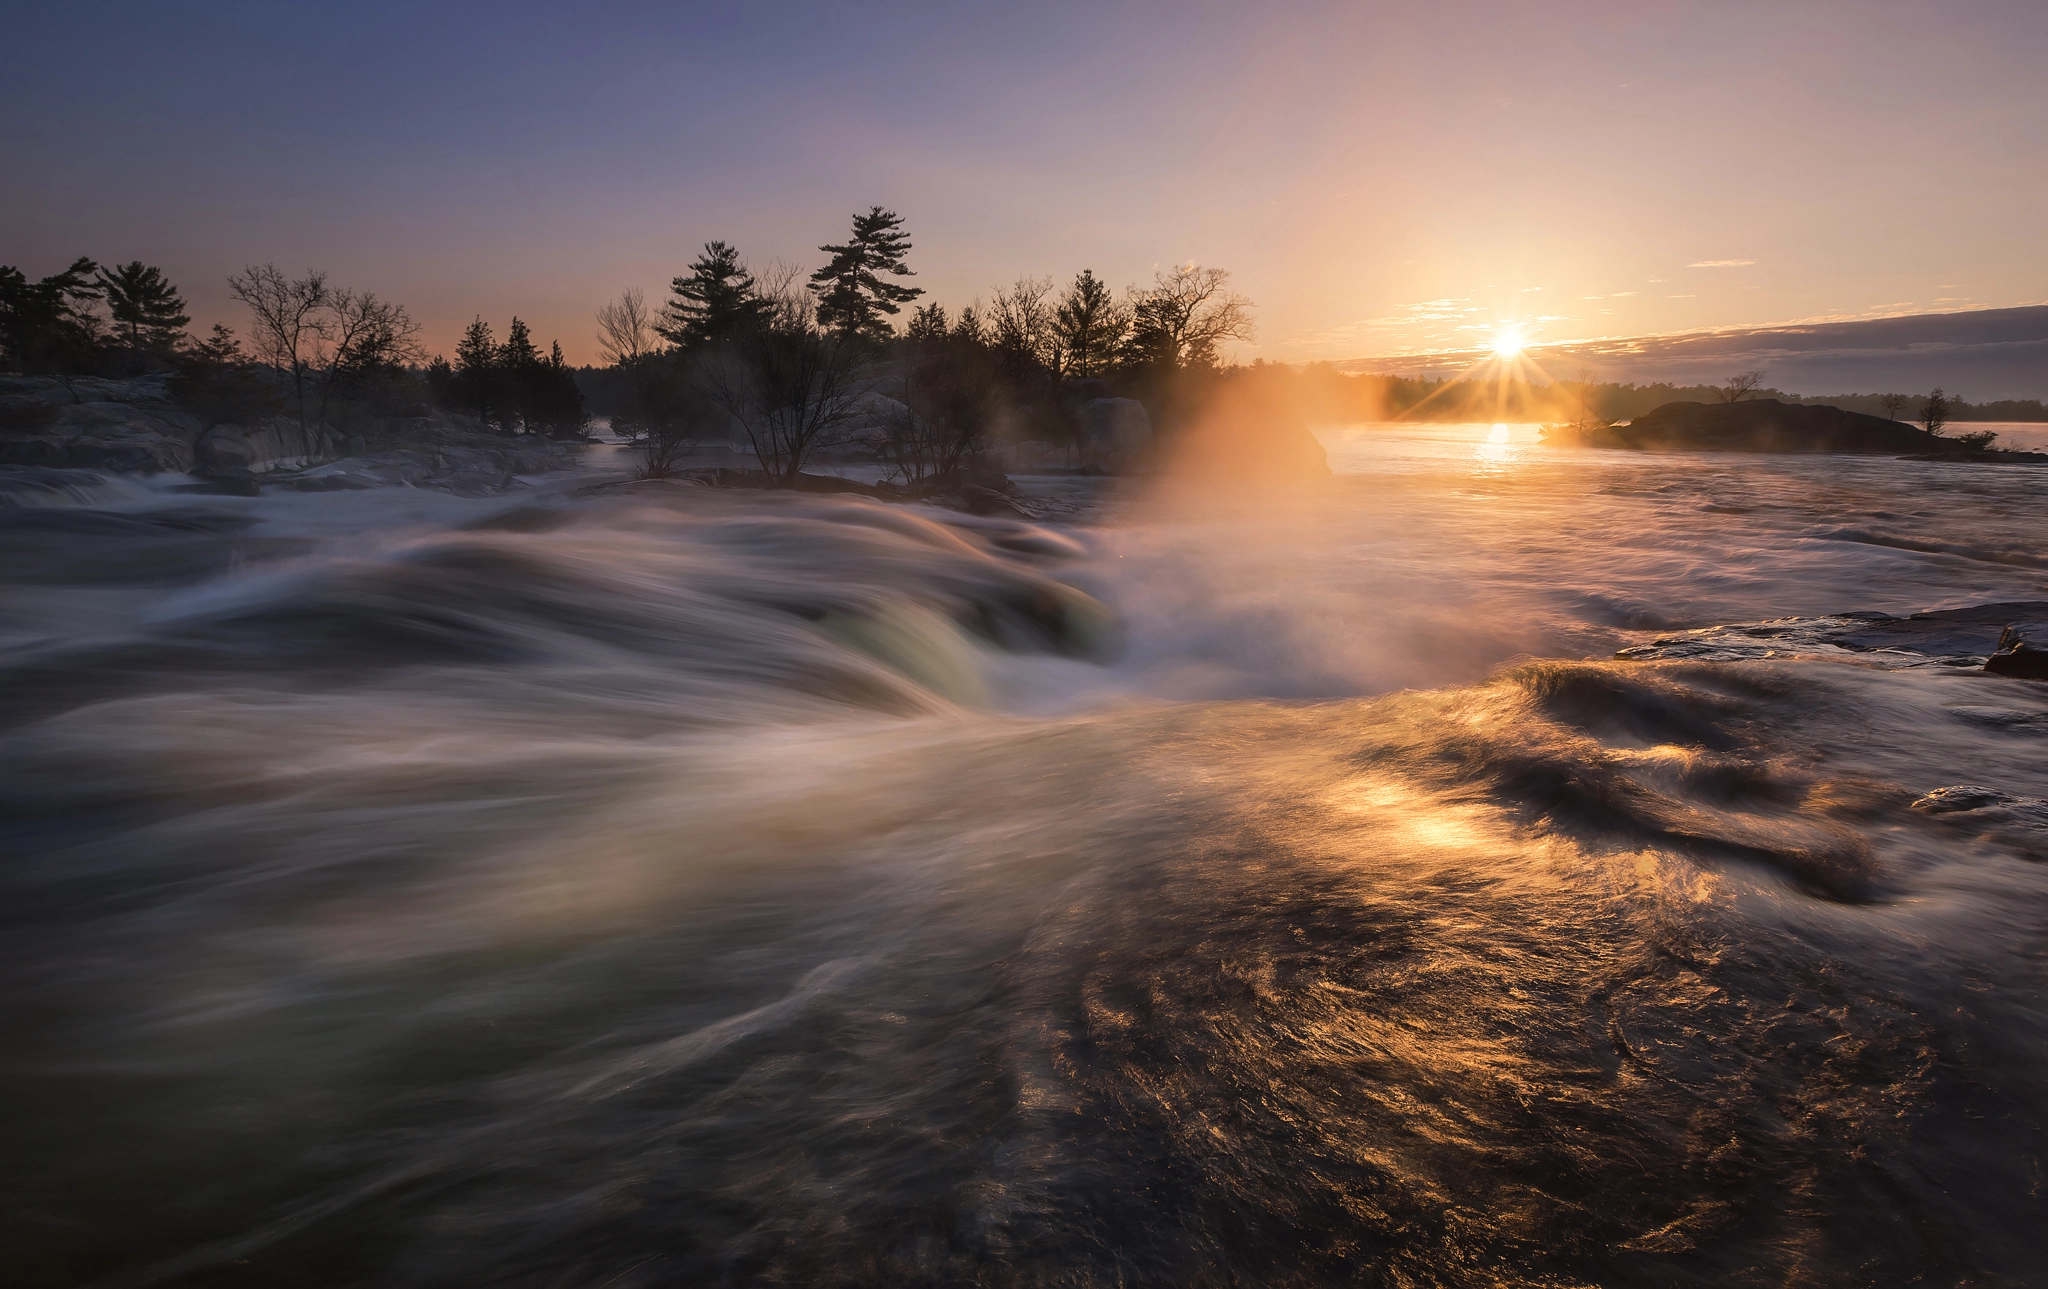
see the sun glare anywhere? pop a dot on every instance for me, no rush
(1508, 342)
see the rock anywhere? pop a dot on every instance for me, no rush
(2022, 651)
(1945, 637)
(1755, 425)
(237, 484)
(1984, 456)
(978, 500)
(723, 477)
(129, 426)
(2021, 822)
(32, 485)
(274, 444)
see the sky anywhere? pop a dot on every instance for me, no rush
(1378, 178)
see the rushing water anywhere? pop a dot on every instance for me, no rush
(674, 887)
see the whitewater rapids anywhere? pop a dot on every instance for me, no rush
(651, 887)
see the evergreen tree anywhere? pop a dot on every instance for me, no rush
(444, 387)
(927, 326)
(517, 361)
(49, 325)
(1091, 326)
(553, 403)
(852, 295)
(969, 329)
(517, 353)
(145, 307)
(713, 302)
(476, 369)
(218, 383)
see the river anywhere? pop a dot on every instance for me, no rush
(640, 887)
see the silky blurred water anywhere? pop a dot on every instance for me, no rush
(642, 885)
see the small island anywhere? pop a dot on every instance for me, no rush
(1768, 425)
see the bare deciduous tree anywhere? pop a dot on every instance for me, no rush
(1187, 314)
(362, 335)
(788, 383)
(1892, 404)
(1022, 325)
(1936, 412)
(625, 329)
(1587, 420)
(1741, 385)
(946, 405)
(287, 321)
(665, 413)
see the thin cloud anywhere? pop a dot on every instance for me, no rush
(1719, 264)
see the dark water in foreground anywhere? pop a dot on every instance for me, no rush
(725, 890)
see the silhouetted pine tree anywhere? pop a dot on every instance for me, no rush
(476, 369)
(517, 353)
(553, 404)
(852, 295)
(715, 300)
(218, 383)
(146, 308)
(969, 328)
(444, 387)
(517, 374)
(927, 325)
(1091, 326)
(49, 325)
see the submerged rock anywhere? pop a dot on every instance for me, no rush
(2022, 650)
(48, 486)
(2020, 822)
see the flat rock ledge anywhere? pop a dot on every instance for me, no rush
(2009, 638)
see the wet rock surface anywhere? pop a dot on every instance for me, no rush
(465, 470)
(1967, 637)
(2022, 650)
(131, 426)
(2020, 822)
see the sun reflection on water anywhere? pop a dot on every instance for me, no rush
(1496, 450)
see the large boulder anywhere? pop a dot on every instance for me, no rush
(1755, 425)
(274, 444)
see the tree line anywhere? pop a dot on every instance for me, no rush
(1320, 392)
(324, 354)
(791, 362)
(89, 319)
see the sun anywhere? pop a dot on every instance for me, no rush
(1507, 342)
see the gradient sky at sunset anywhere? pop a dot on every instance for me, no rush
(1379, 177)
